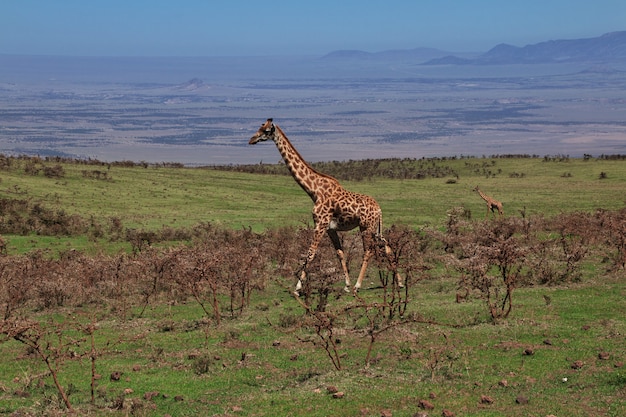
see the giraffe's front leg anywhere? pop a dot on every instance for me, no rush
(309, 258)
(344, 266)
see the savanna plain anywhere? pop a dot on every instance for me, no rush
(142, 289)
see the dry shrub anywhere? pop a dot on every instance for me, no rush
(613, 227)
(229, 268)
(213, 271)
(55, 171)
(20, 217)
(15, 284)
(495, 257)
(493, 263)
(220, 268)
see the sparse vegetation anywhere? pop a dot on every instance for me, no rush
(135, 313)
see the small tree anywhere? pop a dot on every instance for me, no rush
(49, 342)
(494, 264)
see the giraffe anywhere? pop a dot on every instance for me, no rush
(335, 208)
(492, 203)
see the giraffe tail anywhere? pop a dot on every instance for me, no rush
(379, 226)
(379, 230)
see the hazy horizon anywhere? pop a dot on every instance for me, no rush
(145, 109)
(203, 111)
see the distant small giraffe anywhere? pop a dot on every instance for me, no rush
(335, 208)
(492, 203)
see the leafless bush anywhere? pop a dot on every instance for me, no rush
(153, 282)
(322, 275)
(12, 216)
(285, 247)
(55, 171)
(96, 174)
(210, 271)
(115, 228)
(140, 240)
(406, 264)
(32, 167)
(457, 221)
(49, 343)
(15, 284)
(21, 217)
(324, 325)
(493, 263)
(613, 224)
(221, 268)
(497, 257)
(6, 162)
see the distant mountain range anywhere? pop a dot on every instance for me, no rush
(610, 47)
(414, 55)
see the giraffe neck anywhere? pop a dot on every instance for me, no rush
(483, 196)
(311, 181)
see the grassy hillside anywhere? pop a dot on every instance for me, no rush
(518, 316)
(150, 197)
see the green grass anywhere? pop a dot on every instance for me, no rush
(181, 197)
(264, 363)
(284, 373)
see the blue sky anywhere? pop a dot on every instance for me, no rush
(284, 27)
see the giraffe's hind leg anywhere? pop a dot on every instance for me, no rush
(299, 283)
(366, 258)
(394, 266)
(368, 238)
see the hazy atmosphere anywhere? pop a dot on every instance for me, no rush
(156, 81)
(278, 27)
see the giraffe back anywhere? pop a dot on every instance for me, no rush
(350, 210)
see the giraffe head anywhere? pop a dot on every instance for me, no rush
(265, 132)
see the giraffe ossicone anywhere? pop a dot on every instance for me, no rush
(335, 209)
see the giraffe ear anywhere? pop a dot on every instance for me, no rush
(268, 125)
